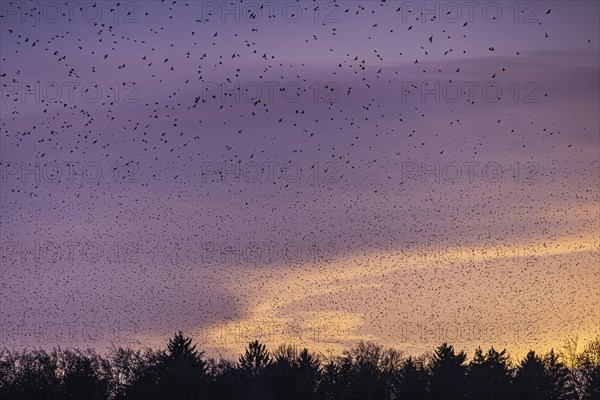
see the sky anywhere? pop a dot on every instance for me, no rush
(311, 172)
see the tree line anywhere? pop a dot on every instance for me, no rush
(367, 371)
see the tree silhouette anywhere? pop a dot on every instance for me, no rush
(253, 364)
(292, 375)
(330, 380)
(364, 379)
(61, 374)
(529, 382)
(365, 371)
(447, 374)
(228, 381)
(557, 380)
(307, 370)
(256, 358)
(183, 371)
(543, 378)
(177, 373)
(137, 373)
(591, 390)
(412, 380)
(26, 375)
(589, 367)
(85, 375)
(488, 375)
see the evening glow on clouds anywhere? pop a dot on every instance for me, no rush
(362, 203)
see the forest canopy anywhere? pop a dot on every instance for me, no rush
(366, 371)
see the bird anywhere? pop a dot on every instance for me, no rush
(163, 168)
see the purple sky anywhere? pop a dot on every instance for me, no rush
(360, 236)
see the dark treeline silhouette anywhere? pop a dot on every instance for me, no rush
(365, 372)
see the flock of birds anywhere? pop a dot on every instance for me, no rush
(155, 111)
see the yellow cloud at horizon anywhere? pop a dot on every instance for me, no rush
(277, 315)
